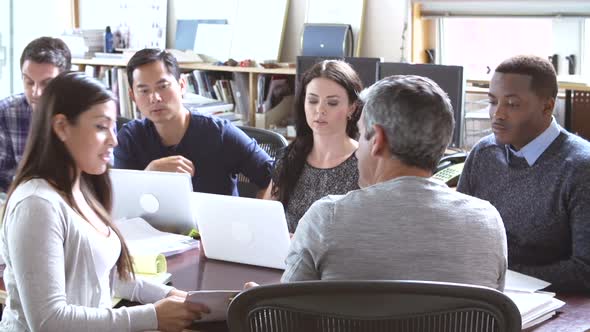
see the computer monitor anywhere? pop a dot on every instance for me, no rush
(366, 68)
(449, 78)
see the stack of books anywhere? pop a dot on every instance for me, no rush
(535, 306)
(197, 103)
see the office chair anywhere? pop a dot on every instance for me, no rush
(347, 306)
(269, 141)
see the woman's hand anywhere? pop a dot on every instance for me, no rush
(177, 293)
(174, 315)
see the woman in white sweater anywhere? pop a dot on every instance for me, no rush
(64, 257)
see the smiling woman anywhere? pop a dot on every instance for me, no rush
(63, 193)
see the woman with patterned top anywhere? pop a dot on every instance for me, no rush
(320, 161)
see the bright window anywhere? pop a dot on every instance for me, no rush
(481, 43)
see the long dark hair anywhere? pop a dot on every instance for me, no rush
(291, 161)
(46, 157)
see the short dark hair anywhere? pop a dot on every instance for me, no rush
(416, 116)
(543, 77)
(149, 55)
(48, 50)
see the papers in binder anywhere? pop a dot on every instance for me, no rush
(535, 306)
(217, 301)
(143, 239)
(151, 268)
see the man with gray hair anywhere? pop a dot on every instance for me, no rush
(401, 224)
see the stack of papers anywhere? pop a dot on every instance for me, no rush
(143, 239)
(535, 306)
(207, 106)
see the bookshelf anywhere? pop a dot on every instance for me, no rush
(252, 72)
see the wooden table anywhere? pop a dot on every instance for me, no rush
(192, 271)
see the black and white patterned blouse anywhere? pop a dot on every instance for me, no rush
(315, 183)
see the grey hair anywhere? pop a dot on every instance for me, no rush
(416, 116)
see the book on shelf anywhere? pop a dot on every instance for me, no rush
(240, 89)
(535, 306)
(115, 79)
(209, 106)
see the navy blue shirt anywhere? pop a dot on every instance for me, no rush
(217, 149)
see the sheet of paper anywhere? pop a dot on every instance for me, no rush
(214, 40)
(143, 239)
(520, 282)
(217, 301)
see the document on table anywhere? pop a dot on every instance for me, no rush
(143, 239)
(534, 305)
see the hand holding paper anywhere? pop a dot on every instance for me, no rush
(216, 301)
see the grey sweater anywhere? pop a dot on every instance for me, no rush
(545, 207)
(408, 228)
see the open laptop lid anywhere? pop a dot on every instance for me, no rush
(161, 198)
(242, 230)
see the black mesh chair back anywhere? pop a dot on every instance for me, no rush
(269, 141)
(375, 306)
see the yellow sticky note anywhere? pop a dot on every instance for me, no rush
(149, 264)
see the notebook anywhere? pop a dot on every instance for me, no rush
(160, 198)
(242, 230)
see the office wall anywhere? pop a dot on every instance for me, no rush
(382, 28)
(49, 18)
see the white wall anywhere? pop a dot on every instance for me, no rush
(48, 18)
(381, 37)
(567, 39)
(382, 30)
(383, 27)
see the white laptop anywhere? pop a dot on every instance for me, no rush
(242, 230)
(163, 199)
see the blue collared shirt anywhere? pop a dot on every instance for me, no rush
(15, 120)
(533, 150)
